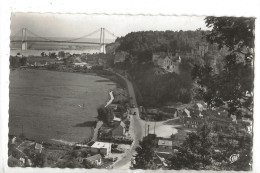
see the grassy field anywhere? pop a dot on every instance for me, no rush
(52, 106)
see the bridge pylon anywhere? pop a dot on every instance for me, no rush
(24, 40)
(102, 41)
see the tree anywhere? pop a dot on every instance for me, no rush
(52, 55)
(23, 61)
(196, 151)
(144, 156)
(61, 54)
(231, 84)
(105, 114)
(231, 32)
(43, 54)
(38, 159)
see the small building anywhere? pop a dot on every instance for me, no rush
(95, 160)
(167, 61)
(200, 107)
(116, 121)
(101, 148)
(120, 57)
(164, 143)
(221, 123)
(192, 122)
(80, 64)
(38, 148)
(119, 131)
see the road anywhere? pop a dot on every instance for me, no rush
(137, 126)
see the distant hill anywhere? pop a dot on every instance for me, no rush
(156, 90)
(160, 41)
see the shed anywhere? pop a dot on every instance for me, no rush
(163, 143)
(95, 160)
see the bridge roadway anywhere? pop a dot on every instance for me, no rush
(56, 41)
(136, 125)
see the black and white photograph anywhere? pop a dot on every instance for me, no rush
(129, 92)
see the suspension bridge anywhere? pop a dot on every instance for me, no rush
(25, 36)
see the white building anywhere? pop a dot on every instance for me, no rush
(80, 64)
(101, 148)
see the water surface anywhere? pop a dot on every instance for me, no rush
(49, 105)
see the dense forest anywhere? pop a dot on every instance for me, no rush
(156, 90)
(160, 41)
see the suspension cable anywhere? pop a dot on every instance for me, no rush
(13, 36)
(111, 33)
(64, 40)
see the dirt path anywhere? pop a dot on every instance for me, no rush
(99, 124)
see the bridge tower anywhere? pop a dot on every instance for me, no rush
(102, 41)
(24, 40)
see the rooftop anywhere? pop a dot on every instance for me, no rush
(116, 119)
(101, 145)
(122, 124)
(163, 142)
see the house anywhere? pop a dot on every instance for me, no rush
(38, 148)
(167, 62)
(95, 160)
(192, 122)
(101, 148)
(120, 57)
(187, 112)
(80, 64)
(200, 107)
(163, 143)
(156, 56)
(119, 131)
(183, 114)
(220, 123)
(116, 121)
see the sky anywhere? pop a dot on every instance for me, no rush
(77, 25)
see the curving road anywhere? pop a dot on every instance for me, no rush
(136, 126)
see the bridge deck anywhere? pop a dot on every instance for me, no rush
(46, 41)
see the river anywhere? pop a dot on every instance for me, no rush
(55, 106)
